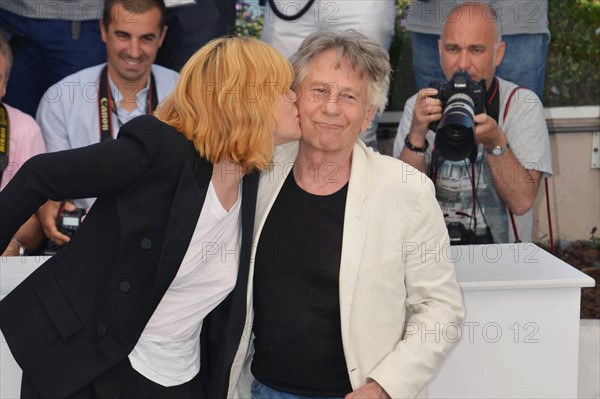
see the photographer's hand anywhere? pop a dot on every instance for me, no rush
(487, 132)
(427, 109)
(47, 215)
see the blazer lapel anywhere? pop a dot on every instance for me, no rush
(354, 236)
(270, 184)
(185, 211)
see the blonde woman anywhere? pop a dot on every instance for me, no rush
(163, 253)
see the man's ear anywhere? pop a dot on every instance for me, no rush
(500, 52)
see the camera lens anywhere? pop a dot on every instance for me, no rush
(455, 136)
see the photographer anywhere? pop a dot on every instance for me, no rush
(513, 150)
(91, 105)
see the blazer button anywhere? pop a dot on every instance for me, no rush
(102, 330)
(146, 243)
(124, 286)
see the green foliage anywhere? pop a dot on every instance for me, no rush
(249, 21)
(573, 60)
(403, 84)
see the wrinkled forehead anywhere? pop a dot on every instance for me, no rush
(343, 59)
(336, 59)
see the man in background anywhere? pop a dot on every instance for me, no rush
(524, 28)
(511, 136)
(91, 105)
(50, 40)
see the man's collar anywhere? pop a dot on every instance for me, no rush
(493, 89)
(141, 95)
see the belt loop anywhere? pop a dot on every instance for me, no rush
(75, 29)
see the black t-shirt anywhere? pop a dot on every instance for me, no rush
(298, 342)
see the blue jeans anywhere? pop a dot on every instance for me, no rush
(524, 61)
(426, 59)
(191, 26)
(51, 53)
(261, 391)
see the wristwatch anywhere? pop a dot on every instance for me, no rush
(498, 150)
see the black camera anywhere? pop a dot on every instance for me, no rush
(462, 98)
(460, 235)
(68, 222)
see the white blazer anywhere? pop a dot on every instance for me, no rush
(400, 304)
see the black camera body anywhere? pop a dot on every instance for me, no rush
(68, 222)
(462, 98)
(460, 235)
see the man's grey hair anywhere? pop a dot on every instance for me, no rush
(7, 54)
(489, 13)
(363, 54)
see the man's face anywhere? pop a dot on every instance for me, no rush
(333, 104)
(2, 76)
(469, 44)
(132, 41)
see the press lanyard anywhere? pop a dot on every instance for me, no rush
(106, 105)
(4, 137)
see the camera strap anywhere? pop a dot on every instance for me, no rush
(549, 213)
(106, 104)
(292, 17)
(492, 103)
(4, 137)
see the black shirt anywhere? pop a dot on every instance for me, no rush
(298, 343)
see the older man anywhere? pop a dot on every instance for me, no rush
(350, 248)
(512, 131)
(91, 105)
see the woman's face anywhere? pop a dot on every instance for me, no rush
(287, 124)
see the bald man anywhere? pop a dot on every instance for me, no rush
(513, 150)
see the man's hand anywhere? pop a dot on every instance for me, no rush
(487, 132)
(371, 390)
(427, 109)
(12, 249)
(47, 215)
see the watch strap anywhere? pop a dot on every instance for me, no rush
(498, 150)
(413, 148)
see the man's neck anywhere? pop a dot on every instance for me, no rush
(322, 172)
(129, 89)
(490, 84)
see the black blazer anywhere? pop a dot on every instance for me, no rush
(83, 310)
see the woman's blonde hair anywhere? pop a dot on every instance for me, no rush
(225, 98)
